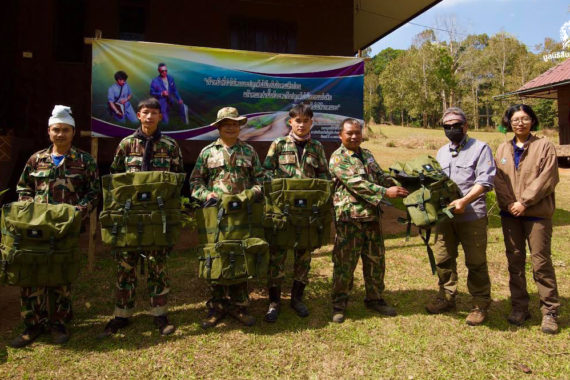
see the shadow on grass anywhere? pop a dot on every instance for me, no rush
(93, 305)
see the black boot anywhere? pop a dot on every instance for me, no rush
(113, 326)
(28, 336)
(163, 325)
(59, 333)
(274, 304)
(296, 299)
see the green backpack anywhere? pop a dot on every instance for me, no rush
(298, 212)
(431, 191)
(40, 244)
(232, 239)
(141, 210)
(233, 217)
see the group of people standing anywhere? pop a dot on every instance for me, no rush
(524, 174)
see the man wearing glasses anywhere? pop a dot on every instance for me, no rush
(470, 164)
(164, 90)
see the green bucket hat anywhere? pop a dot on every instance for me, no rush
(229, 113)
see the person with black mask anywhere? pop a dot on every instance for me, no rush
(470, 164)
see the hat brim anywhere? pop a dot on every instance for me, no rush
(240, 119)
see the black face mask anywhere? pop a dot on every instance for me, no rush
(455, 135)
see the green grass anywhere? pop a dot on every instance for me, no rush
(413, 345)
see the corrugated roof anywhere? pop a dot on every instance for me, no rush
(557, 74)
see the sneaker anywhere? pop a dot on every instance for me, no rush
(165, 327)
(476, 316)
(518, 317)
(549, 323)
(59, 333)
(240, 314)
(27, 337)
(215, 315)
(380, 306)
(272, 312)
(338, 316)
(440, 305)
(113, 326)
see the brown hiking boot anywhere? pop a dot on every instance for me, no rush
(476, 316)
(518, 317)
(215, 314)
(549, 323)
(27, 337)
(240, 314)
(440, 305)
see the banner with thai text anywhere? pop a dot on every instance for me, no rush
(193, 83)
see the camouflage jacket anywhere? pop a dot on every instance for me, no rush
(129, 155)
(359, 187)
(283, 161)
(75, 181)
(226, 170)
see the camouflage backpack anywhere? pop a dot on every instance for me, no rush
(141, 210)
(40, 244)
(298, 212)
(431, 191)
(231, 235)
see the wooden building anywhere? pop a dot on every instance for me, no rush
(46, 61)
(552, 84)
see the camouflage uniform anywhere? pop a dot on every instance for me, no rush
(227, 171)
(359, 188)
(166, 156)
(282, 161)
(75, 181)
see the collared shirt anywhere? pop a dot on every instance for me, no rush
(473, 164)
(359, 185)
(166, 155)
(284, 161)
(74, 181)
(519, 151)
(226, 170)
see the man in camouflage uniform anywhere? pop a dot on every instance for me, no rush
(58, 174)
(360, 186)
(145, 150)
(293, 156)
(227, 166)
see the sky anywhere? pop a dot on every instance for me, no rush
(528, 20)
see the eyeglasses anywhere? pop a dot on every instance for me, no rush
(522, 120)
(453, 126)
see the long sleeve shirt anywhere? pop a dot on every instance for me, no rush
(359, 185)
(473, 164)
(226, 170)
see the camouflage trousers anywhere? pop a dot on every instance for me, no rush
(157, 282)
(235, 294)
(354, 240)
(46, 304)
(301, 265)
